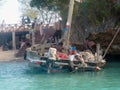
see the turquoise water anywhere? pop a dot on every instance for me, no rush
(18, 76)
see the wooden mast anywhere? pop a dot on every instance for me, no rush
(13, 39)
(68, 24)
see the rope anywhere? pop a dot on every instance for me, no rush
(111, 42)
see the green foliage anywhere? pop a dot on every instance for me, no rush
(52, 5)
(116, 10)
(97, 11)
(31, 13)
(27, 10)
(49, 4)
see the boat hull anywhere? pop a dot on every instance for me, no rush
(60, 65)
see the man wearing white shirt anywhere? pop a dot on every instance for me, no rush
(52, 56)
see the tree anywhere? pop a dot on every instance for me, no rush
(97, 10)
(27, 10)
(51, 5)
(95, 14)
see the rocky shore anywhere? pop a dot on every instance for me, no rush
(104, 38)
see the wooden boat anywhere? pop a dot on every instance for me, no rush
(36, 58)
(60, 65)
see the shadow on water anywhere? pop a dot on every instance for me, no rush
(20, 68)
(112, 58)
(15, 68)
(113, 61)
(17, 75)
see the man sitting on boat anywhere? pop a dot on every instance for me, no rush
(52, 53)
(52, 56)
(79, 57)
(74, 56)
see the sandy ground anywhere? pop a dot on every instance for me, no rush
(8, 55)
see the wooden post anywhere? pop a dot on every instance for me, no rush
(13, 40)
(33, 37)
(69, 20)
(98, 52)
(66, 35)
(111, 42)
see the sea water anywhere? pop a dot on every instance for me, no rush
(17, 75)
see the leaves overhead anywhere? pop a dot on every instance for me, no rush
(99, 9)
(49, 4)
(93, 14)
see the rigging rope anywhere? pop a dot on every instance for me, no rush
(111, 42)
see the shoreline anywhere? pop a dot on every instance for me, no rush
(12, 59)
(9, 56)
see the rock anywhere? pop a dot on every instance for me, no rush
(104, 38)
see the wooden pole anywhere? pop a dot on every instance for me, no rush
(111, 42)
(13, 39)
(98, 52)
(69, 20)
(33, 37)
(70, 13)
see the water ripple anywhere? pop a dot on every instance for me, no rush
(16, 75)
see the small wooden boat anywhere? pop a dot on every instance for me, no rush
(61, 65)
